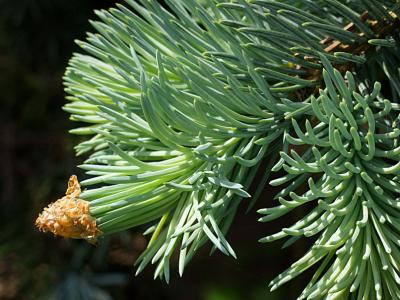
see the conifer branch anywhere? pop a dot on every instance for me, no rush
(183, 102)
(380, 30)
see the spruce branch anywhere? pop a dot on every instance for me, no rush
(354, 153)
(184, 101)
(177, 138)
(378, 32)
(296, 37)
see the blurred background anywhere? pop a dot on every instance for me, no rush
(37, 158)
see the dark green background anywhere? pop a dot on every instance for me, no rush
(37, 157)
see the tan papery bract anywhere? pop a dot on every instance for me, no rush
(69, 216)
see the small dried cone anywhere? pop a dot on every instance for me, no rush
(69, 216)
